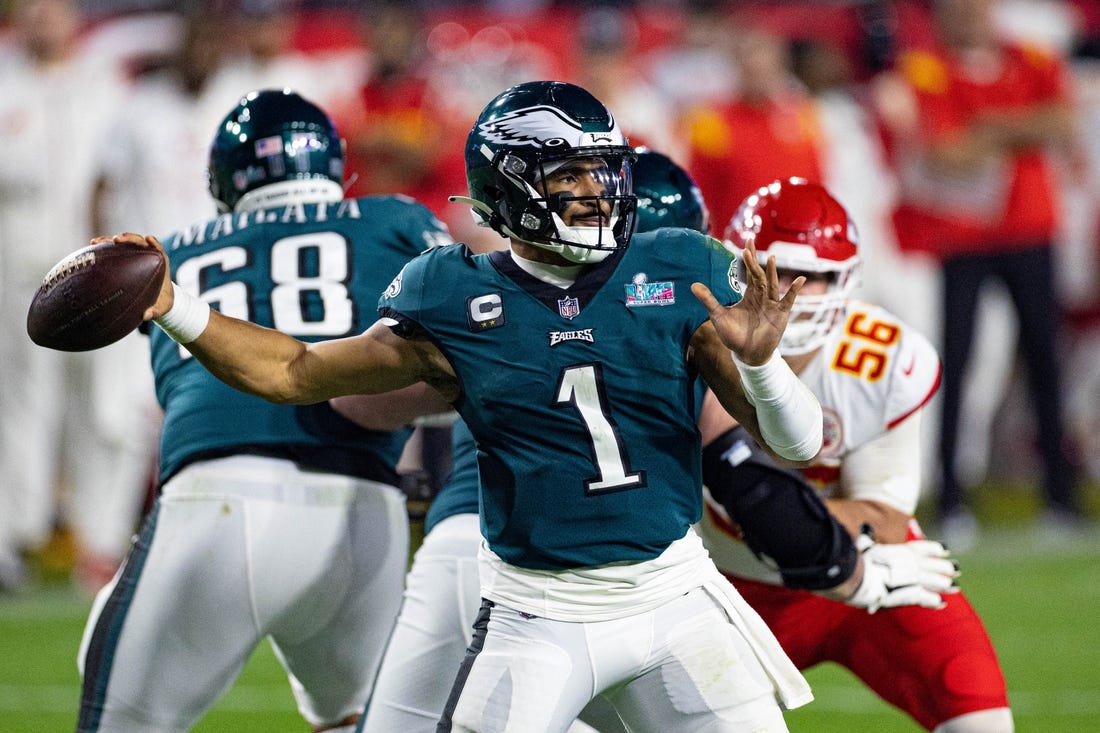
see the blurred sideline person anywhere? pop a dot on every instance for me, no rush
(979, 191)
(149, 178)
(54, 111)
(442, 595)
(504, 337)
(872, 374)
(273, 521)
(770, 129)
(262, 55)
(607, 64)
(399, 134)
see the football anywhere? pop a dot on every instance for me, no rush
(95, 296)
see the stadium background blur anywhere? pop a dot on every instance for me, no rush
(654, 64)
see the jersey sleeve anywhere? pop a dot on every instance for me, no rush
(915, 378)
(887, 469)
(726, 274)
(427, 283)
(402, 300)
(413, 224)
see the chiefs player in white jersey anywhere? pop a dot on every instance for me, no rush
(872, 375)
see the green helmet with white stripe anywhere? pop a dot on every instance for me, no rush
(275, 147)
(527, 132)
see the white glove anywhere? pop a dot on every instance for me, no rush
(913, 573)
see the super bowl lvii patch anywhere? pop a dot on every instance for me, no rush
(640, 292)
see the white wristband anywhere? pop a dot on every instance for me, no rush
(186, 319)
(789, 415)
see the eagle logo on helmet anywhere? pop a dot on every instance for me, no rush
(543, 126)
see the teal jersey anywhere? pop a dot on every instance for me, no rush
(581, 400)
(314, 271)
(459, 492)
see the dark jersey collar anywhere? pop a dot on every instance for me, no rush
(588, 283)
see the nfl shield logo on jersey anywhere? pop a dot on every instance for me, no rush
(569, 307)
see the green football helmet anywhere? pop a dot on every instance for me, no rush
(275, 147)
(526, 133)
(667, 195)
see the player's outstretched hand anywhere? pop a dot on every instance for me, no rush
(167, 296)
(913, 573)
(751, 329)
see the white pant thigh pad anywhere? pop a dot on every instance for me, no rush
(701, 670)
(432, 632)
(188, 625)
(531, 674)
(673, 670)
(331, 633)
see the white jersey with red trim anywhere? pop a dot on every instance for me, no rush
(869, 377)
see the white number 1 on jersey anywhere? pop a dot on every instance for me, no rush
(582, 387)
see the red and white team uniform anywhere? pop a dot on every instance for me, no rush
(872, 377)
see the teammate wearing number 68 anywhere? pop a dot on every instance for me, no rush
(872, 374)
(273, 521)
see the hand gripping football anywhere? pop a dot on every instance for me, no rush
(95, 296)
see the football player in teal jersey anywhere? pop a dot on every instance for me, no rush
(273, 521)
(572, 358)
(787, 521)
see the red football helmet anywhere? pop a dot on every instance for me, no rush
(807, 231)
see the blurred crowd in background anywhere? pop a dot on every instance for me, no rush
(107, 110)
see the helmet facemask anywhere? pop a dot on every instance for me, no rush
(814, 316)
(530, 209)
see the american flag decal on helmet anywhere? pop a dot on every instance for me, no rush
(268, 146)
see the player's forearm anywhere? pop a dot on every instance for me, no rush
(251, 358)
(392, 410)
(256, 360)
(769, 400)
(1045, 125)
(246, 356)
(848, 588)
(787, 412)
(780, 515)
(881, 481)
(889, 525)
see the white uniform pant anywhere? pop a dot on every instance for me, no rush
(442, 596)
(680, 668)
(433, 631)
(239, 549)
